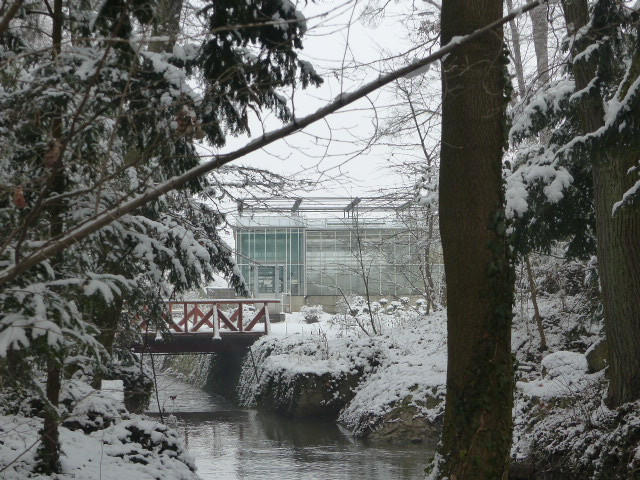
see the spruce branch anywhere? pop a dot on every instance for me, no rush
(100, 220)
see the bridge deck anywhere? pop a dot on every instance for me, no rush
(197, 343)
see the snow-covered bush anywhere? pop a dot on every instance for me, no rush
(577, 436)
(354, 310)
(311, 313)
(394, 306)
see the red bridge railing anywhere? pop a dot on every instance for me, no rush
(206, 316)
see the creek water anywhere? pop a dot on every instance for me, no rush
(229, 443)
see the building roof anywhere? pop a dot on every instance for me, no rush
(264, 221)
(345, 205)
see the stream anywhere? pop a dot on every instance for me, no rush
(230, 443)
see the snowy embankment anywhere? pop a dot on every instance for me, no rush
(397, 376)
(99, 439)
(562, 426)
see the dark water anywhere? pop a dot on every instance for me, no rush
(229, 443)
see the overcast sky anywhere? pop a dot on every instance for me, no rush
(337, 36)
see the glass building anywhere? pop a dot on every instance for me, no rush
(319, 260)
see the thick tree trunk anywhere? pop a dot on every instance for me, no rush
(477, 430)
(618, 237)
(619, 269)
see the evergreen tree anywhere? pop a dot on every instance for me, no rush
(588, 174)
(93, 117)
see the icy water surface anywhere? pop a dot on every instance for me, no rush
(229, 443)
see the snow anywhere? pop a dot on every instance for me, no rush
(626, 197)
(418, 71)
(408, 359)
(566, 376)
(548, 101)
(109, 454)
(122, 446)
(557, 179)
(516, 195)
(565, 363)
(307, 67)
(279, 22)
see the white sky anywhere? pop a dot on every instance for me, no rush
(329, 44)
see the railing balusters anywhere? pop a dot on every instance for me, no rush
(186, 324)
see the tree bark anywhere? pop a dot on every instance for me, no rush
(10, 13)
(49, 461)
(540, 35)
(476, 440)
(533, 290)
(167, 24)
(618, 237)
(107, 321)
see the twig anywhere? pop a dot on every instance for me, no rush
(217, 161)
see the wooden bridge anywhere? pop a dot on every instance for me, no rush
(208, 326)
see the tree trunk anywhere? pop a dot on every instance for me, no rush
(49, 453)
(540, 35)
(533, 290)
(107, 322)
(517, 56)
(49, 461)
(476, 440)
(167, 24)
(618, 238)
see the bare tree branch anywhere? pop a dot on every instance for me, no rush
(59, 244)
(11, 12)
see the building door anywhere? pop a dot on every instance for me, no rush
(271, 280)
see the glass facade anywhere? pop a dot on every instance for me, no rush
(354, 260)
(272, 260)
(339, 258)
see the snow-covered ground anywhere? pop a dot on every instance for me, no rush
(103, 441)
(558, 407)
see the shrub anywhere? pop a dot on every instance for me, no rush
(311, 313)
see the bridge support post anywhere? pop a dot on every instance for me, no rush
(224, 377)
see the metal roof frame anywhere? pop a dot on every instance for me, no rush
(346, 205)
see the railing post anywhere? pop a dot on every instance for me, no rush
(267, 320)
(240, 320)
(184, 317)
(216, 325)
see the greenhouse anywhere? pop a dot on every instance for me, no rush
(321, 257)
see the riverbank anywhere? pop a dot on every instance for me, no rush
(390, 386)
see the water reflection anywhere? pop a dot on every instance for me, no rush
(243, 444)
